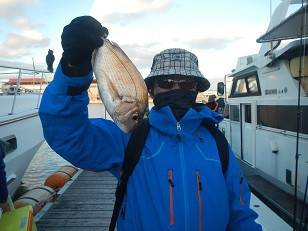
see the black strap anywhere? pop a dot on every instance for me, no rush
(132, 156)
(221, 143)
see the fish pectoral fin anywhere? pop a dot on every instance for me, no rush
(125, 108)
(128, 100)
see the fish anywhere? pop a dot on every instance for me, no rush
(121, 86)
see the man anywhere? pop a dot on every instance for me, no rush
(221, 105)
(212, 104)
(178, 184)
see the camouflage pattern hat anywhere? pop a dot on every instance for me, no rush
(176, 62)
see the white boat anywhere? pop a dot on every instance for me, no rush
(20, 128)
(261, 119)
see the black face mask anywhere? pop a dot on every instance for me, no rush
(178, 100)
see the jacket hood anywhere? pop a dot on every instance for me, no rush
(163, 119)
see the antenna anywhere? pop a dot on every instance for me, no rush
(271, 12)
(271, 51)
(301, 55)
(33, 82)
(271, 9)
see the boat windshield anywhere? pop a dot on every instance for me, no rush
(252, 84)
(240, 87)
(294, 68)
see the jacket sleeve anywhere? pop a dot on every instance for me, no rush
(242, 217)
(92, 144)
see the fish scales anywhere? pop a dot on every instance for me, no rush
(125, 85)
(114, 70)
(121, 86)
(127, 82)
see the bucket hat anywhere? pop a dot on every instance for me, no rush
(176, 62)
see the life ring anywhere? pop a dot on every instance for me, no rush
(58, 179)
(36, 197)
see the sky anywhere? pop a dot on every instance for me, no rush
(218, 32)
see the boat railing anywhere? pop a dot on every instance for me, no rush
(21, 82)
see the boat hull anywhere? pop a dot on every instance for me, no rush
(27, 131)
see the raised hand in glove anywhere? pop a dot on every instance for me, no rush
(79, 39)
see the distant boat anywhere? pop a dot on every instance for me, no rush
(20, 128)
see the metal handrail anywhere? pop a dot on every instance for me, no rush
(24, 69)
(15, 93)
(20, 69)
(40, 92)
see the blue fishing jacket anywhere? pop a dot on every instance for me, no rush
(178, 183)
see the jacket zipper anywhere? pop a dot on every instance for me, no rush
(178, 126)
(171, 186)
(242, 202)
(178, 129)
(199, 189)
(184, 181)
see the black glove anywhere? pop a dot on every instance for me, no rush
(79, 39)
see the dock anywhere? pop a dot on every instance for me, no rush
(275, 198)
(86, 204)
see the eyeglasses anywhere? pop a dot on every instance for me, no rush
(170, 83)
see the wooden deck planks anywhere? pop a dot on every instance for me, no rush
(86, 205)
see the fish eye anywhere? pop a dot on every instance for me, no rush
(135, 117)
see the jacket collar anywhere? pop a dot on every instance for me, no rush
(164, 120)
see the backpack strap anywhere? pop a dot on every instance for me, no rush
(221, 143)
(132, 155)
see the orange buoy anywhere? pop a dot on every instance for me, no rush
(60, 177)
(36, 197)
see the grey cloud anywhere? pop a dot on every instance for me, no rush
(14, 8)
(16, 45)
(149, 45)
(141, 55)
(124, 18)
(211, 43)
(148, 1)
(24, 23)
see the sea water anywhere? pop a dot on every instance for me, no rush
(46, 161)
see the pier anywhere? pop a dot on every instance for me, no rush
(85, 204)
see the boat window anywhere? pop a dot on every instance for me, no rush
(240, 86)
(252, 84)
(283, 117)
(247, 85)
(305, 84)
(294, 68)
(248, 113)
(226, 111)
(234, 113)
